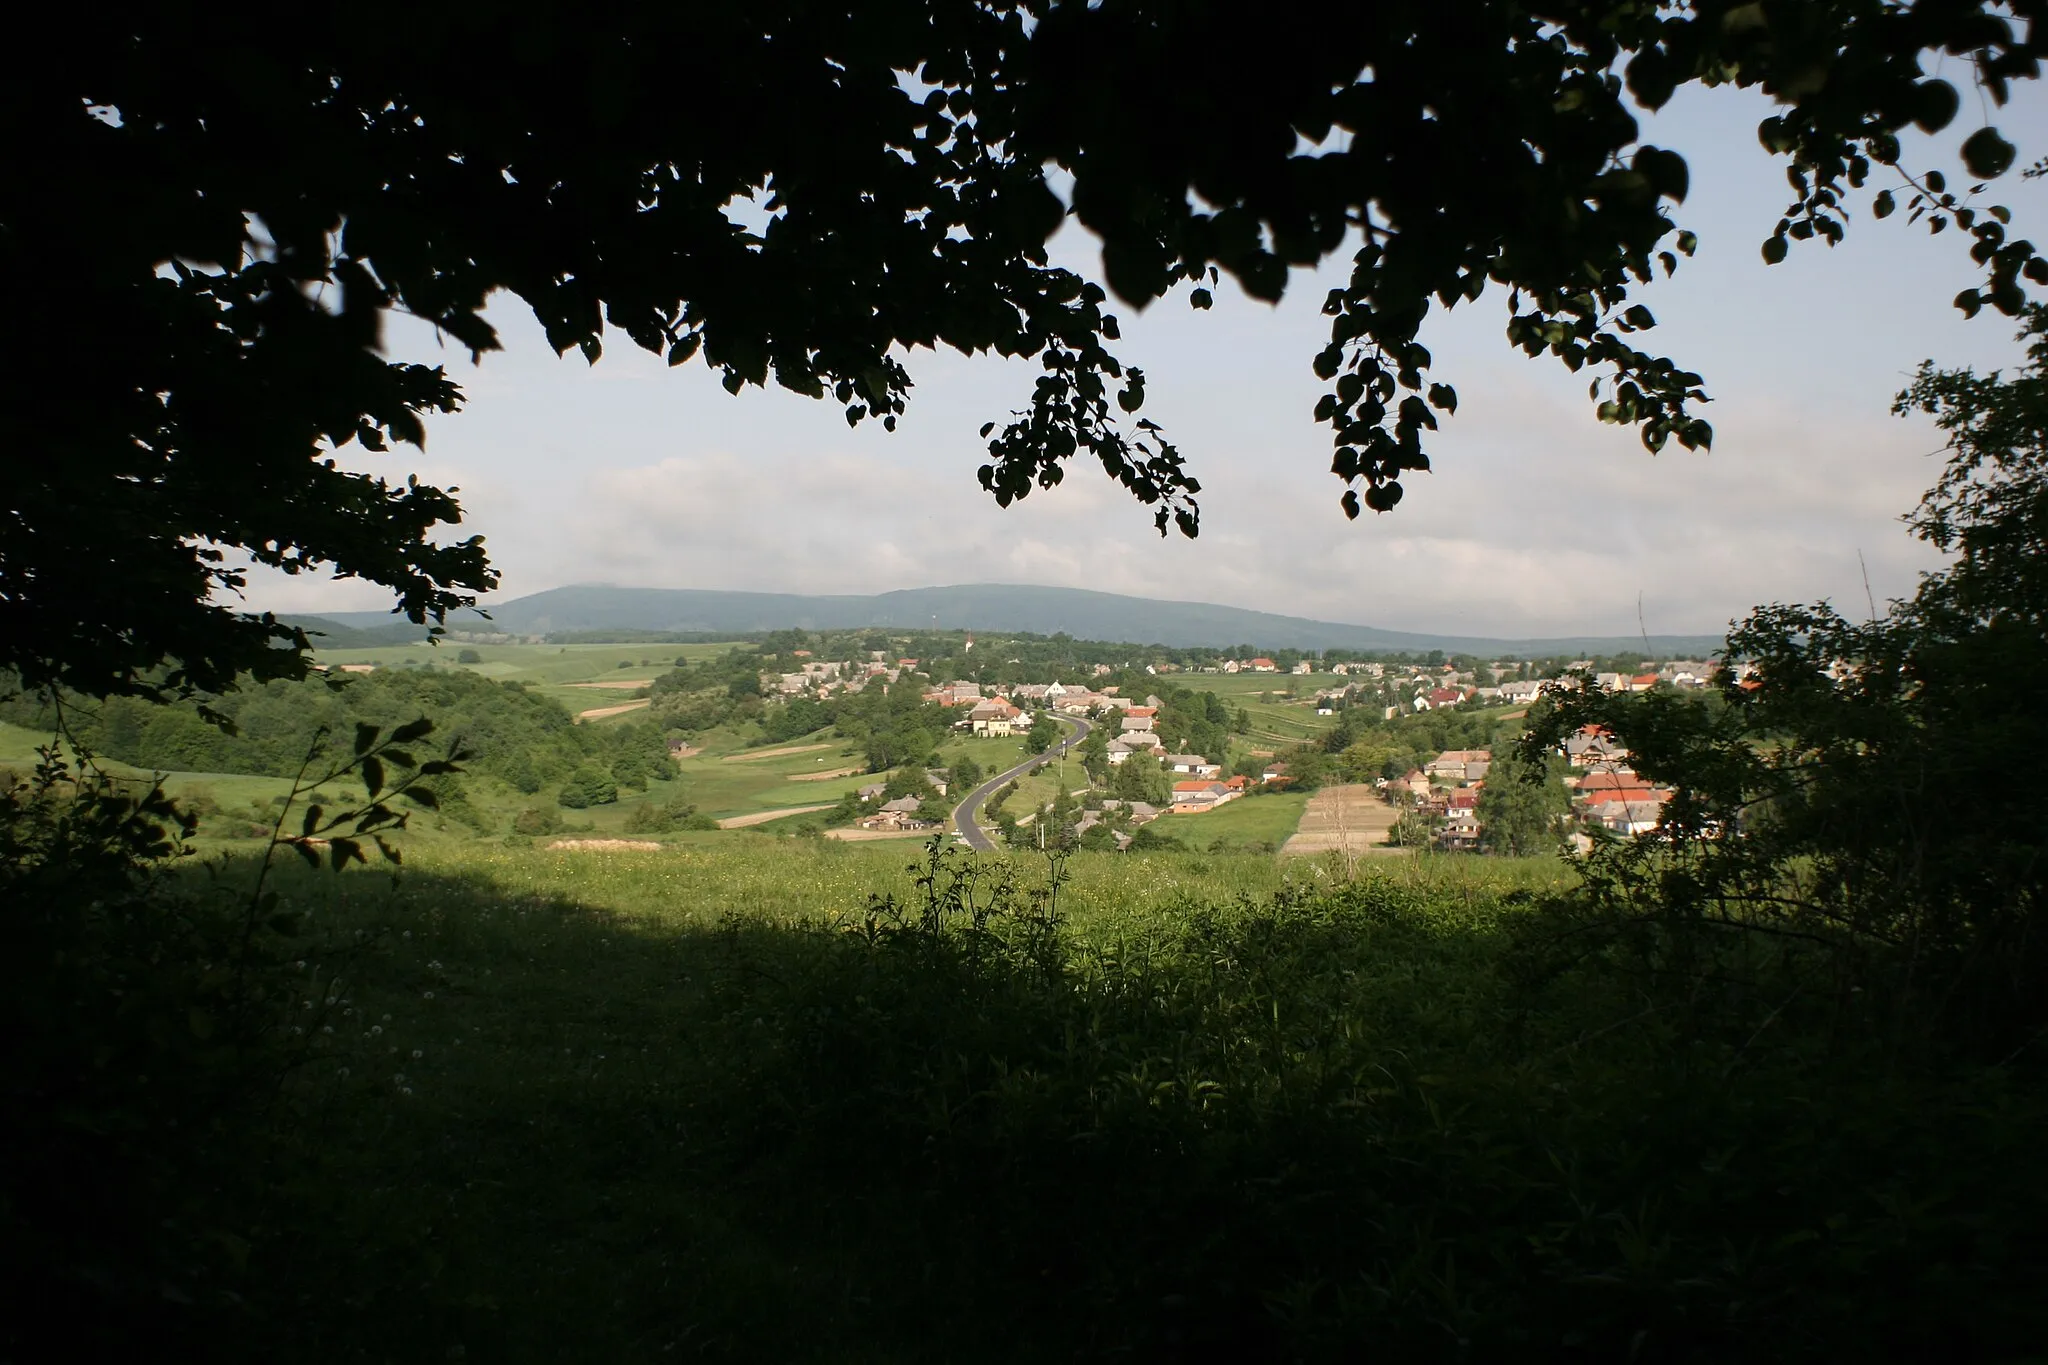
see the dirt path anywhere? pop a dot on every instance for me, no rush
(820, 777)
(762, 817)
(1348, 819)
(604, 845)
(773, 753)
(600, 712)
(615, 684)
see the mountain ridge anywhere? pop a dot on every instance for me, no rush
(1080, 612)
(992, 606)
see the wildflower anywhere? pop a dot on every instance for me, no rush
(417, 1054)
(376, 1029)
(430, 995)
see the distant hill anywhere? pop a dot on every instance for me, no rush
(379, 630)
(993, 607)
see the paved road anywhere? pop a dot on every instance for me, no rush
(963, 814)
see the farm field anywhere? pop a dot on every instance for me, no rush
(1275, 721)
(548, 669)
(1260, 823)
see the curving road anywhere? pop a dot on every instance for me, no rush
(963, 814)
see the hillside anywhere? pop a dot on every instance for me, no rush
(995, 607)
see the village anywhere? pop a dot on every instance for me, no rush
(1439, 803)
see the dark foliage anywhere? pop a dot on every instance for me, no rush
(1860, 788)
(236, 218)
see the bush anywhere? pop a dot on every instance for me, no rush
(145, 1024)
(536, 820)
(588, 786)
(469, 656)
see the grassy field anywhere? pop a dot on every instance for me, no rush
(1261, 822)
(1275, 720)
(548, 669)
(718, 1101)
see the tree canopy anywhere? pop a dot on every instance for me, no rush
(213, 225)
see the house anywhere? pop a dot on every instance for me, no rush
(1230, 666)
(1460, 834)
(1609, 779)
(993, 718)
(1141, 811)
(1593, 745)
(1302, 666)
(1195, 796)
(1273, 772)
(1263, 665)
(898, 814)
(1144, 739)
(872, 791)
(1133, 723)
(1194, 765)
(1462, 803)
(1642, 682)
(1521, 691)
(937, 780)
(1461, 765)
(1118, 751)
(1626, 817)
(1444, 696)
(1415, 782)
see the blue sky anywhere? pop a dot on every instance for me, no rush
(1538, 520)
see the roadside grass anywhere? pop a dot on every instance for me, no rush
(709, 1101)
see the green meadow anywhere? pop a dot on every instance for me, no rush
(1276, 720)
(753, 1099)
(1261, 823)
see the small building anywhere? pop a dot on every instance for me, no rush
(993, 718)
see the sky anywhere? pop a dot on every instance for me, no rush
(1537, 519)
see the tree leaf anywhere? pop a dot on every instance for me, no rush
(1987, 155)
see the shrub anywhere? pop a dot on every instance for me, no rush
(536, 820)
(145, 1020)
(588, 786)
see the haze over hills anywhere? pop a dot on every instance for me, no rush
(993, 607)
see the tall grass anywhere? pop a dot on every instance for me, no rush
(688, 1103)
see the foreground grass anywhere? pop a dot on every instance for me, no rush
(723, 1104)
